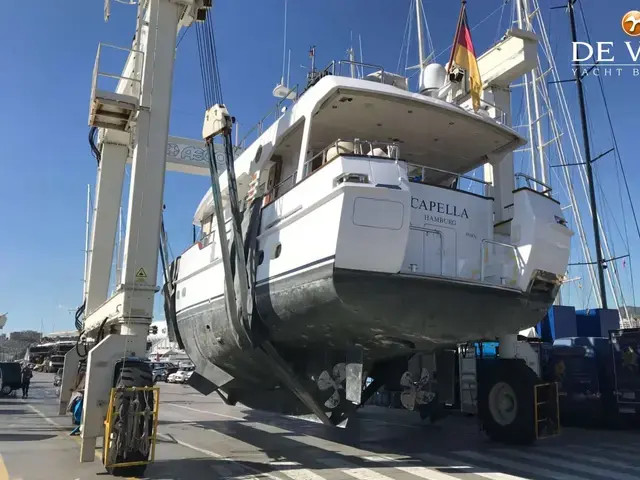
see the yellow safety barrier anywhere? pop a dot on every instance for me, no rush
(547, 410)
(112, 417)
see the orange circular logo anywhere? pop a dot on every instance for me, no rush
(631, 23)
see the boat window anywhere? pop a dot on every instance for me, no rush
(206, 227)
(282, 168)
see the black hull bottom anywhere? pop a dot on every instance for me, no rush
(315, 316)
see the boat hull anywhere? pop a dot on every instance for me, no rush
(317, 313)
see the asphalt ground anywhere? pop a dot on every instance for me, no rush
(201, 437)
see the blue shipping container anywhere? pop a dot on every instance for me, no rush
(596, 322)
(559, 322)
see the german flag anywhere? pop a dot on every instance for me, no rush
(464, 56)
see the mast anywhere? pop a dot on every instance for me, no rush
(523, 25)
(420, 34)
(542, 170)
(352, 59)
(587, 159)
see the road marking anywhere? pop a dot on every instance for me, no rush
(97, 452)
(418, 471)
(295, 473)
(304, 438)
(482, 472)
(300, 474)
(47, 419)
(207, 412)
(4, 474)
(353, 471)
(570, 465)
(170, 438)
(587, 457)
(626, 456)
(521, 467)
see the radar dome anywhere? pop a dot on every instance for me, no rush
(432, 79)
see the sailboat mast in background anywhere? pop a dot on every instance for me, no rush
(587, 161)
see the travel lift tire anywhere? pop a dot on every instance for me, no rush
(506, 401)
(131, 373)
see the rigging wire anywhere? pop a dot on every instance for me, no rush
(472, 29)
(405, 36)
(451, 45)
(502, 9)
(432, 49)
(554, 124)
(618, 158)
(182, 36)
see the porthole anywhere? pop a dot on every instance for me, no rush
(260, 257)
(184, 291)
(278, 250)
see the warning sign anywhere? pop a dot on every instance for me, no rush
(141, 275)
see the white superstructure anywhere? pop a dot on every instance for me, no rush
(334, 195)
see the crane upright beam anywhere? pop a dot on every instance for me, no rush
(134, 122)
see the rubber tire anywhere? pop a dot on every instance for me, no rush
(516, 374)
(133, 374)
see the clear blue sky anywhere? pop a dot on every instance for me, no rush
(47, 59)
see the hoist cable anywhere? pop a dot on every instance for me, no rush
(236, 294)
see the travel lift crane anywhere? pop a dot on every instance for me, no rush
(135, 118)
(134, 124)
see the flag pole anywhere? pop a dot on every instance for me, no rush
(457, 35)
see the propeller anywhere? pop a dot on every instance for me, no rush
(334, 380)
(414, 393)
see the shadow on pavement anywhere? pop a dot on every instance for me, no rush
(207, 467)
(15, 411)
(24, 437)
(289, 447)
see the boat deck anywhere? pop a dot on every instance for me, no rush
(201, 437)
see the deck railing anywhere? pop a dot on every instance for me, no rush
(335, 67)
(98, 72)
(533, 184)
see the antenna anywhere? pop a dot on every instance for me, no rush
(352, 58)
(289, 68)
(284, 42)
(282, 90)
(361, 57)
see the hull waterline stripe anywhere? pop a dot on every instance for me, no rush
(297, 269)
(261, 283)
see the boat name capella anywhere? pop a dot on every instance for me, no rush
(439, 207)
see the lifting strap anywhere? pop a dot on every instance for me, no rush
(236, 286)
